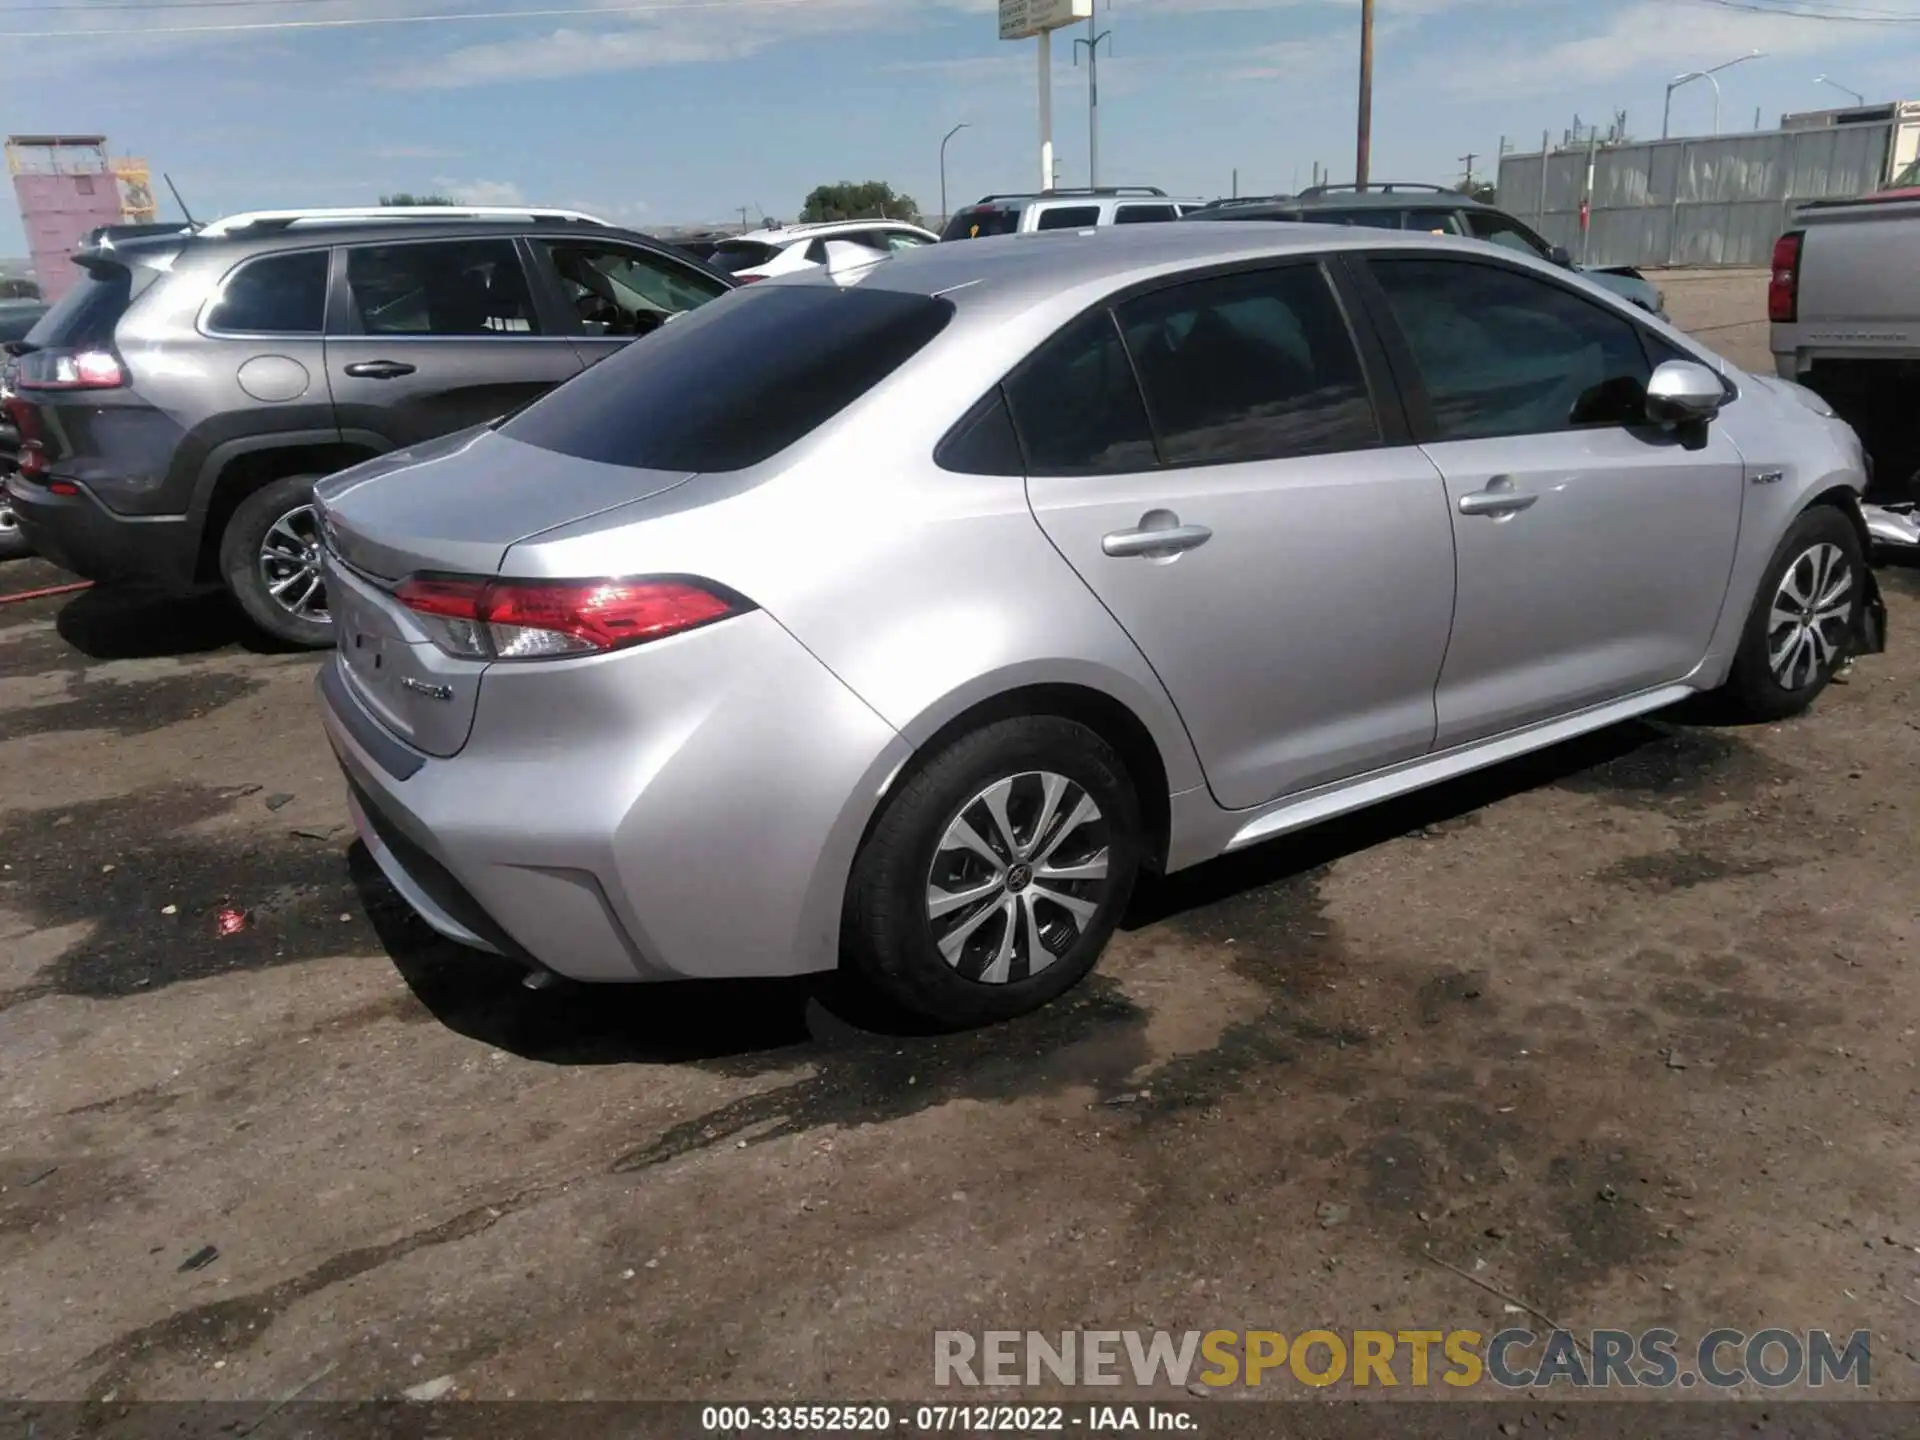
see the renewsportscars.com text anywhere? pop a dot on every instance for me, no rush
(1514, 1359)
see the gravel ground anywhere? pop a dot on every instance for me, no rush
(1625, 1030)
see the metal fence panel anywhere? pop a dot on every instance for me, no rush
(1712, 201)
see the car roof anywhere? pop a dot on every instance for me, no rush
(778, 234)
(1030, 267)
(267, 239)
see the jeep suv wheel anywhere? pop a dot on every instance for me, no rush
(270, 561)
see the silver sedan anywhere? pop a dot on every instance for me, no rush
(900, 614)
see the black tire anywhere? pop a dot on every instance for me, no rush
(13, 544)
(240, 564)
(1754, 691)
(890, 936)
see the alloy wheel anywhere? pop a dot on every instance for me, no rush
(1018, 876)
(290, 564)
(1812, 610)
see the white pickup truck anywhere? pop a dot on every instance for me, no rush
(1844, 302)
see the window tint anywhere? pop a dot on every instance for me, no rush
(617, 290)
(984, 442)
(1372, 219)
(87, 313)
(1077, 407)
(1438, 222)
(976, 221)
(1068, 217)
(1497, 229)
(1143, 214)
(274, 295)
(1255, 366)
(1509, 354)
(902, 240)
(736, 381)
(451, 287)
(733, 256)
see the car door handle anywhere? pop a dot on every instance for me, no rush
(1155, 542)
(1498, 499)
(379, 369)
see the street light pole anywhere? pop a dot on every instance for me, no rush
(1092, 41)
(943, 167)
(1707, 75)
(1363, 148)
(1858, 98)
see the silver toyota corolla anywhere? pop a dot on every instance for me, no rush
(901, 615)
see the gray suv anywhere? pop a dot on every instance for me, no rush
(166, 420)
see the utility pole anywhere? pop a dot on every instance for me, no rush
(943, 168)
(1363, 149)
(743, 217)
(1092, 41)
(1467, 160)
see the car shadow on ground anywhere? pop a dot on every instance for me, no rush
(483, 996)
(110, 622)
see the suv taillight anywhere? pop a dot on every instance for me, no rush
(1783, 290)
(70, 370)
(480, 619)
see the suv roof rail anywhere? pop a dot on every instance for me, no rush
(1235, 201)
(1074, 190)
(1391, 187)
(286, 219)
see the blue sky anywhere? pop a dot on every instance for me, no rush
(689, 109)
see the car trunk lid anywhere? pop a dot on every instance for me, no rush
(415, 512)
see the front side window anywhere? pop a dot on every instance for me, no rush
(1253, 366)
(274, 295)
(1077, 407)
(620, 291)
(735, 382)
(1068, 217)
(1502, 353)
(442, 288)
(1498, 229)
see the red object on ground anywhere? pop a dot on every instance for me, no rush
(45, 591)
(230, 921)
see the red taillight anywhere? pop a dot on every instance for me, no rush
(540, 619)
(1783, 290)
(71, 370)
(31, 458)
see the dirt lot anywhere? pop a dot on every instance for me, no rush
(1626, 1030)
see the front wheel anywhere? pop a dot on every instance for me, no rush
(1804, 618)
(270, 560)
(996, 874)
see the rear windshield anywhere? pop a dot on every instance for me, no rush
(980, 220)
(733, 256)
(86, 314)
(725, 386)
(1372, 219)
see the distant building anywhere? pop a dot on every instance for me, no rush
(66, 186)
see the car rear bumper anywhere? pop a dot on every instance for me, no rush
(684, 810)
(78, 533)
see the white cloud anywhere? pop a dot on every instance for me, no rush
(480, 192)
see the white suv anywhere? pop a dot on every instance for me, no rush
(1064, 210)
(760, 253)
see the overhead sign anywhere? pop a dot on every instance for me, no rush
(1021, 19)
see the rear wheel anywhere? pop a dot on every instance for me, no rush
(1804, 619)
(996, 874)
(270, 560)
(13, 544)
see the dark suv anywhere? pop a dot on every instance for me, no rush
(1397, 205)
(166, 420)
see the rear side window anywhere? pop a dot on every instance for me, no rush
(1255, 366)
(1504, 353)
(1068, 217)
(442, 288)
(1143, 214)
(1077, 407)
(732, 383)
(85, 316)
(977, 221)
(274, 295)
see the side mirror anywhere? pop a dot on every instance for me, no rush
(1681, 392)
(1561, 256)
